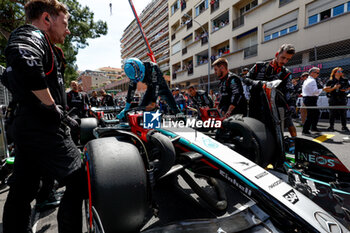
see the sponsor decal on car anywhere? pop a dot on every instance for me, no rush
(261, 175)
(235, 183)
(276, 183)
(291, 196)
(327, 222)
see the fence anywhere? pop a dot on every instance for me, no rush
(5, 95)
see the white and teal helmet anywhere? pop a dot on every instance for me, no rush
(134, 69)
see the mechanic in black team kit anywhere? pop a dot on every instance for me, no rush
(77, 101)
(269, 71)
(200, 98)
(232, 100)
(34, 75)
(150, 74)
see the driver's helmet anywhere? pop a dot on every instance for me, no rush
(134, 69)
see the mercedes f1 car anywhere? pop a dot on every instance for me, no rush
(127, 164)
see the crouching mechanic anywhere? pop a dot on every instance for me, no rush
(43, 146)
(200, 98)
(270, 71)
(149, 74)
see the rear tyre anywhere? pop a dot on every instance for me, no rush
(256, 142)
(87, 125)
(118, 184)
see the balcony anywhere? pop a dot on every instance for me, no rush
(204, 40)
(189, 24)
(174, 76)
(173, 37)
(238, 22)
(214, 5)
(190, 71)
(251, 51)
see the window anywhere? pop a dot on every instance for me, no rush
(293, 28)
(348, 6)
(175, 7)
(338, 10)
(201, 7)
(283, 32)
(248, 7)
(176, 47)
(325, 14)
(274, 35)
(266, 38)
(313, 19)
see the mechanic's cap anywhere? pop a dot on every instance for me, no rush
(177, 89)
(245, 69)
(305, 73)
(134, 69)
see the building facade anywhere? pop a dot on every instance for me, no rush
(247, 31)
(100, 79)
(154, 20)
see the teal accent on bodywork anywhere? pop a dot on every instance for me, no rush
(316, 181)
(200, 150)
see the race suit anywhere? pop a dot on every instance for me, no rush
(232, 94)
(202, 99)
(156, 86)
(43, 145)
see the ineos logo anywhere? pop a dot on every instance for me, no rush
(327, 222)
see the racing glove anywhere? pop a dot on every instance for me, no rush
(121, 115)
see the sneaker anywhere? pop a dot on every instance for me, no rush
(306, 133)
(345, 129)
(331, 129)
(52, 202)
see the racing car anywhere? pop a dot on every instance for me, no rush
(127, 163)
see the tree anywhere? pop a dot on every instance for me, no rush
(81, 25)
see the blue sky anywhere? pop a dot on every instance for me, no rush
(105, 51)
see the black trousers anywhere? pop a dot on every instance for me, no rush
(312, 114)
(334, 112)
(23, 190)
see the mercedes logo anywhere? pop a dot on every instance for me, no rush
(327, 222)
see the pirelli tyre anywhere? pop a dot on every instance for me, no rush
(87, 125)
(118, 184)
(256, 142)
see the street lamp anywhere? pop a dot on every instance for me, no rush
(189, 17)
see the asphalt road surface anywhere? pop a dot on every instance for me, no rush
(187, 207)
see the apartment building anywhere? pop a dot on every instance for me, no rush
(154, 20)
(247, 31)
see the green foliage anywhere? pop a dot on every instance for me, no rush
(81, 25)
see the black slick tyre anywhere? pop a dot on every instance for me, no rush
(118, 184)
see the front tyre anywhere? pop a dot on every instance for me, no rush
(118, 184)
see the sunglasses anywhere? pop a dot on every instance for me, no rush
(317, 72)
(339, 71)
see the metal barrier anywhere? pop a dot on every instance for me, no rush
(5, 95)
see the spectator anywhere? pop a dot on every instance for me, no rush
(310, 93)
(336, 88)
(303, 111)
